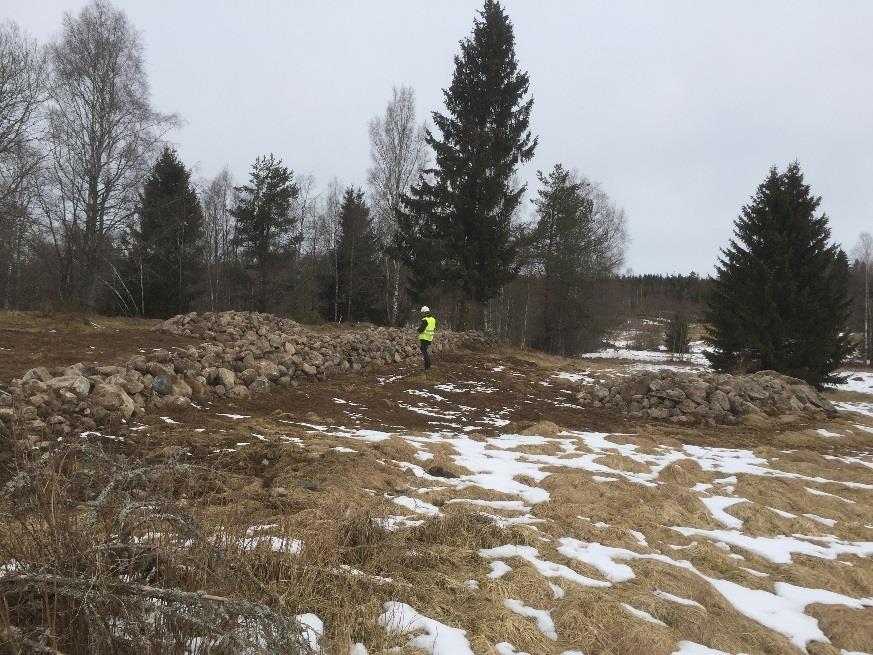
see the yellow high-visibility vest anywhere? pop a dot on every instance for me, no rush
(429, 328)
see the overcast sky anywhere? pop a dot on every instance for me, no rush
(677, 108)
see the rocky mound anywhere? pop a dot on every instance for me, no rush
(243, 353)
(710, 398)
(229, 326)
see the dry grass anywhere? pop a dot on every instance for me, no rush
(335, 503)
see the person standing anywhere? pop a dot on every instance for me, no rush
(425, 334)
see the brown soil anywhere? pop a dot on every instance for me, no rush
(29, 339)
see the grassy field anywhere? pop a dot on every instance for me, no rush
(478, 495)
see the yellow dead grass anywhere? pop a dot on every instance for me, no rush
(340, 525)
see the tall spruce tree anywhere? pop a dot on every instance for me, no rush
(357, 261)
(265, 223)
(779, 300)
(455, 227)
(169, 239)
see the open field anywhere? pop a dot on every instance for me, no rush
(475, 508)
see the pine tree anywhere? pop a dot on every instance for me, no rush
(169, 239)
(779, 298)
(264, 221)
(357, 261)
(455, 228)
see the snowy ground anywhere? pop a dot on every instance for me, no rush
(628, 538)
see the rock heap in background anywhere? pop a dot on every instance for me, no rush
(242, 353)
(703, 397)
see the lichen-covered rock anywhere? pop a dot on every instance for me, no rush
(77, 384)
(226, 378)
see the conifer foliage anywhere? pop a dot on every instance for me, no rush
(455, 228)
(357, 261)
(265, 222)
(779, 299)
(169, 238)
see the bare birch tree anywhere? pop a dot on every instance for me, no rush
(330, 227)
(218, 197)
(18, 226)
(863, 253)
(398, 154)
(102, 132)
(22, 91)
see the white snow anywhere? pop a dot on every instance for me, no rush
(557, 591)
(716, 506)
(648, 356)
(678, 599)
(367, 435)
(828, 434)
(645, 616)
(499, 568)
(313, 629)
(544, 567)
(417, 506)
(780, 548)
(640, 537)
(235, 417)
(783, 611)
(392, 523)
(783, 513)
(439, 638)
(573, 377)
(543, 618)
(757, 574)
(865, 409)
(820, 519)
(857, 381)
(276, 544)
(505, 648)
(600, 557)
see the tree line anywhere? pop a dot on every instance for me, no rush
(99, 213)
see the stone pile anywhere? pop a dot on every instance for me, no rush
(704, 397)
(243, 353)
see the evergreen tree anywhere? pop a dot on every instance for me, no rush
(357, 261)
(169, 239)
(264, 221)
(562, 247)
(455, 227)
(779, 298)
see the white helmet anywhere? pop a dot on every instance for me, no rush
(425, 309)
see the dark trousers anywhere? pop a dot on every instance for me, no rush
(424, 353)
